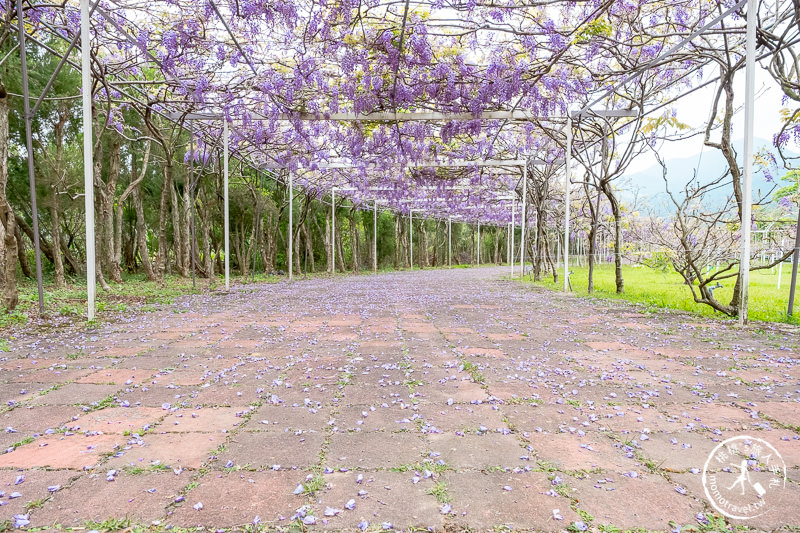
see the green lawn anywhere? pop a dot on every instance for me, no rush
(666, 289)
(134, 292)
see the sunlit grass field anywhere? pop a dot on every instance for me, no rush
(666, 289)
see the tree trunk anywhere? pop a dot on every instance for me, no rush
(354, 240)
(10, 293)
(55, 208)
(397, 242)
(326, 239)
(472, 246)
(340, 249)
(177, 234)
(110, 250)
(423, 245)
(617, 213)
(309, 246)
(497, 245)
(187, 246)
(592, 244)
(141, 235)
(205, 239)
(163, 208)
(7, 217)
(22, 255)
(55, 230)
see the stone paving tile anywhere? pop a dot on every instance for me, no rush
(368, 450)
(141, 498)
(53, 374)
(157, 396)
(61, 451)
(37, 419)
(116, 420)
(266, 449)
(648, 502)
(486, 387)
(186, 450)
(483, 501)
(390, 497)
(35, 486)
(203, 420)
(480, 452)
(76, 394)
(279, 418)
(116, 376)
(570, 452)
(237, 498)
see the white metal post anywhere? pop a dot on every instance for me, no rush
(780, 265)
(333, 230)
(508, 242)
(375, 236)
(524, 220)
(747, 181)
(567, 179)
(411, 238)
(88, 159)
(226, 149)
(450, 242)
(513, 209)
(290, 229)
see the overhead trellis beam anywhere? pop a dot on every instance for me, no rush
(431, 164)
(388, 116)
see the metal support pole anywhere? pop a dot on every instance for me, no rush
(227, 229)
(513, 229)
(411, 238)
(450, 242)
(508, 242)
(29, 147)
(290, 229)
(88, 159)
(795, 261)
(333, 230)
(523, 217)
(375, 236)
(747, 179)
(567, 180)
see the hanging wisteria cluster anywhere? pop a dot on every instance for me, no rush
(304, 85)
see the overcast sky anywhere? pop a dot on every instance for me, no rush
(695, 109)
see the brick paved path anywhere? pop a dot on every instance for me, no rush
(435, 399)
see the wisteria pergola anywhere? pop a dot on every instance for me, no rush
(436, 108)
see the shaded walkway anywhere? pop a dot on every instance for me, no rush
(427, 398)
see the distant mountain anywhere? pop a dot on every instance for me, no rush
(647, 186)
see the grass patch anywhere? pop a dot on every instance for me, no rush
(314, 485)
(75, 355)
(439, 491)
(135, 291)
(108, 401)
(473, 370)
(36, 504)
(156, 467)
(110, 524)
(658, 289)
